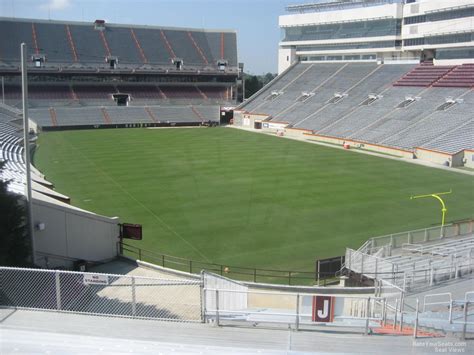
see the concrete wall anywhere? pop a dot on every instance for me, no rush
(469, 158)
(360, 145)
(441, 158)
(247, 120)
(274, 127)
(296, 132)
(423, 6)
(70, 233)
(346, 15)
(286, 57)
(453, 61)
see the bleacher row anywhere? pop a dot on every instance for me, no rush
(12, 154)
(11, 151)
(439, 76)
(80, 44)
(84, 94)
(358, 101)
(419, 265)
(87, 116)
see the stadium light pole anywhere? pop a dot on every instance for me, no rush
(3, 90)
(26, 145)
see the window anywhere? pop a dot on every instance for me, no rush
(456, 53)
(414, 19)
(351, 57)
(360, 45)
(440, 16)
(373, 28)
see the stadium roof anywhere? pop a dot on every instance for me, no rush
(120, 25)
(327, 5)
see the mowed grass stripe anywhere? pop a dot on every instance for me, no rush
(242, 198)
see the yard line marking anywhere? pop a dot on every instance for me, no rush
(139, 202)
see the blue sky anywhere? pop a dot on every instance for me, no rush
(256, 21)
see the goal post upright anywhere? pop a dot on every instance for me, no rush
(437, 196)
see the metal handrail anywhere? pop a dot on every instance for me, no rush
(193, 266)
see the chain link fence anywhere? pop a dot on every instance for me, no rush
(101, 294)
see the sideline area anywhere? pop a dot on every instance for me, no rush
(363, 151)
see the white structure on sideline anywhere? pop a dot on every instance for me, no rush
(383, 31)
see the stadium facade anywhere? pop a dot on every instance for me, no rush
(119, 75)
(389, 76)
(377, 31)
(99, 75)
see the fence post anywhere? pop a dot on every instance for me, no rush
(134, 298)
(217, 307)
(396, 314)
(367, 311)
(464, 326)
(401, 319)
(451, 303)
(431, 275)
(58, 290)
(163, 260)
(289, 278)
(190, 266)
(139, 254)
(297, 324)
(376, 266)
(254, 275)
(415, 328)
(203, 303)
(317, 270)
(384, 312)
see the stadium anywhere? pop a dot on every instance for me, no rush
(157, 191)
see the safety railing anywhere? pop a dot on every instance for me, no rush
(411, 274)
(299, 311)
(235, 272)
(445, 301)
(101, 294)
(397, 240)
(190, 301)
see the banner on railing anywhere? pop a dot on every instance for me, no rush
(323, 309)
(95, 279)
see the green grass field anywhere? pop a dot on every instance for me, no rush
(241, 198)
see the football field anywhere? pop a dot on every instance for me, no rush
(240, 198)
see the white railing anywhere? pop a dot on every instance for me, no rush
(408, 274)
(397, 240)
(295, 310)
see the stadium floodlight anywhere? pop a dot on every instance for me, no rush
(436, 196)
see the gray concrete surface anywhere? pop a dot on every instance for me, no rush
(23, 331)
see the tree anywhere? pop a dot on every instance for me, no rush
(15, 244)
(253, 83)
